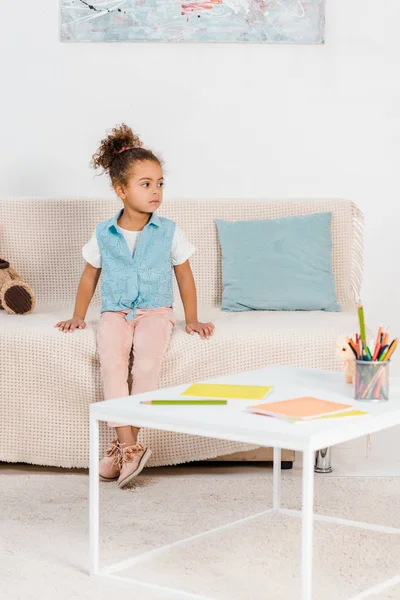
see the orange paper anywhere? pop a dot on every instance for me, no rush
(300, 408)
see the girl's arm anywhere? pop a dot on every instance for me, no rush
(187, 289)
(86, 290)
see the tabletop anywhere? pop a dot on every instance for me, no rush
(232, 422)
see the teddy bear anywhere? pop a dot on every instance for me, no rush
(345, 353)
(16, 297)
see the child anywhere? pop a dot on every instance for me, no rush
(136, 251)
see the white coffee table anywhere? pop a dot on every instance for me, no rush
(232, 423)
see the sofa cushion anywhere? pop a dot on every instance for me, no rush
(254, 339)
(49, 378)
(278, 264)
(250, 340)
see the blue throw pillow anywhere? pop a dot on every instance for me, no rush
(278, 264)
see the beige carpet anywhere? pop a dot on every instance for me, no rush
(44, 525)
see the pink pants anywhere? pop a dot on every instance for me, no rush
(149, 333)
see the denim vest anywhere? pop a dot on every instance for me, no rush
(143, 280)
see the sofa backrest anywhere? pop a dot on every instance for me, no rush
(43, 238)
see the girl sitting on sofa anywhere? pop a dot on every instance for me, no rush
(136, 251)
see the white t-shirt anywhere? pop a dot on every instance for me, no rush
(181, 248)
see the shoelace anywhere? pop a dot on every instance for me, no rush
(122, 454)
(128, 454)
(115, 449)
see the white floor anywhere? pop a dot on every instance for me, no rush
(348, 460)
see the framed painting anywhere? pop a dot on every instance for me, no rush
(253, 21)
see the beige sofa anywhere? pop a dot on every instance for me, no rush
(48, 378)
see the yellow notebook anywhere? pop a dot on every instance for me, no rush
(346, 413)
(222, 390)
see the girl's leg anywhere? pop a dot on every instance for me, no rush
(151, 337)
(114, 343)
(152, 330)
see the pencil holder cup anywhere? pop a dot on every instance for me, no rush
(372, 381)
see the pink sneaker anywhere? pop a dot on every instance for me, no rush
(134, 459)
(110, 465)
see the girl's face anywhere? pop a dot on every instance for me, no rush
(144, 189)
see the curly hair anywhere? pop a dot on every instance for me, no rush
(118, 152)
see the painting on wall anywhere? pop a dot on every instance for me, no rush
(256, 21)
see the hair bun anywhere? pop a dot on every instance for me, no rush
(119, 139)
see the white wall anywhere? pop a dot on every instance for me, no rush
(230, 120)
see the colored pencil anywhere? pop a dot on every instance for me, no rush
(191, 402)
(386, 338)
(360, 310)
(378, 348)
(391, 349)
(353, 347)
(378, 337)
(382, 353)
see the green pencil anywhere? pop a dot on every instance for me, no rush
(360, 310)
(184, 402)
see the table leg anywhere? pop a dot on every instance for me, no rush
(277, 479)
(94, 499)
(307, 525)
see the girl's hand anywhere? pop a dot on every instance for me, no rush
(71, 324)
(205, 330)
